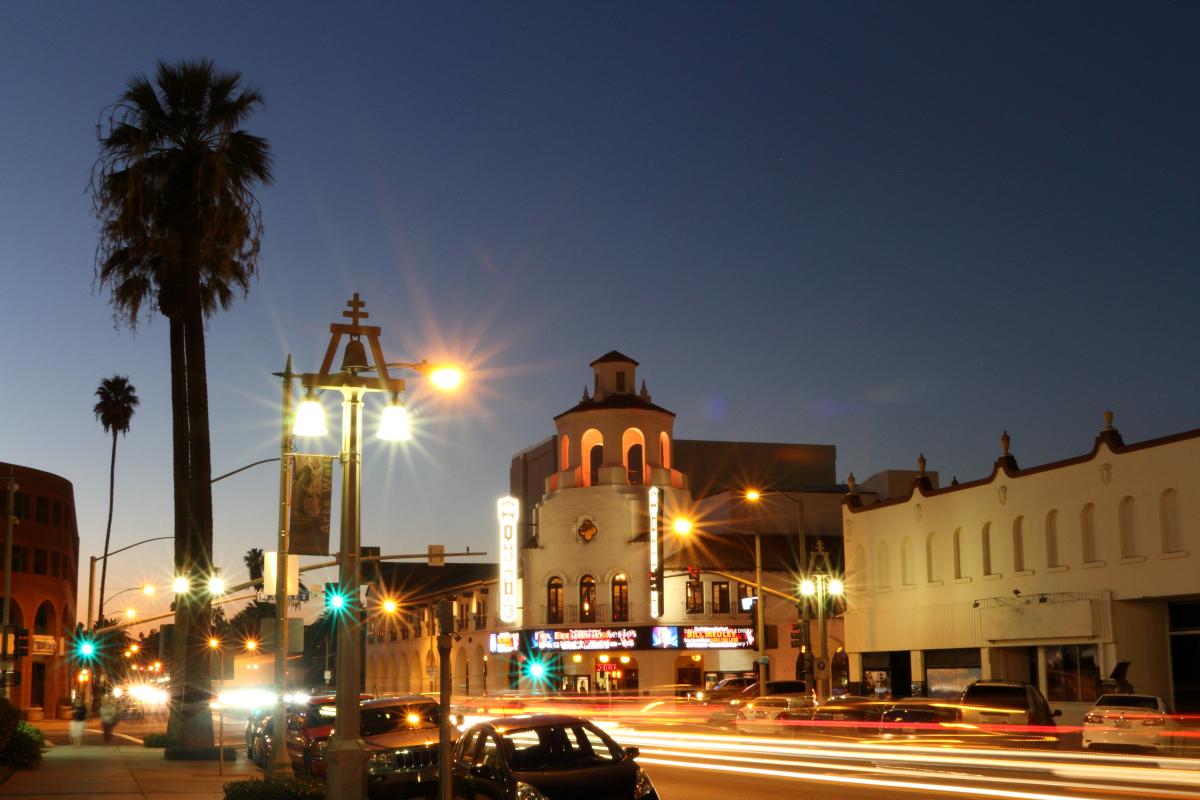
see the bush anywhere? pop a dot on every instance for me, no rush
(286, 789)
(10, 718)
(158, 740)
(24, 748)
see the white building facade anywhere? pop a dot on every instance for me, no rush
(1052, 575)
(592, 593)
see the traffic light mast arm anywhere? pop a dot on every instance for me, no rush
(745, 581)
(169, 615)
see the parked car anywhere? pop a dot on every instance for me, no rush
(774, 715)
(307, 724)
(849, 716)
(1136, 721)
(725, 689)
(913, 719)
(1005, 703)
(725, 714)
(546, 757)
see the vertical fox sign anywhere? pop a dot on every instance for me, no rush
(508, 509)
(656, 552)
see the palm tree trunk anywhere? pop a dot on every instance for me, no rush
(198, 730)
(182, 497)
(112, 476)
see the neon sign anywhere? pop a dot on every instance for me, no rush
(504, 642)
(717, 637)
(656, 572)
(508, 508)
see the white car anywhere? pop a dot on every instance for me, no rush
(1129, 720)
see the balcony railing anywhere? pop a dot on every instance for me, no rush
(706, 610)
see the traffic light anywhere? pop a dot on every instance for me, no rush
(336, 600)
(797, 634)
(693, 572)
(22, 643)
(85, 649)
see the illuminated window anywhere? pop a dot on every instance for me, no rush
(554, 601)
(694, 601)
(664, 450)
(744, 592)
(587, 599)
(1072, 673)
(620, 599)
(720, 597)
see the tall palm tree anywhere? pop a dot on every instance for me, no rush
(254, 565)
(114, 409)
(180, 231)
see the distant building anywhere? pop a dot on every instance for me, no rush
(45, 561)
(1053, 574)
(582, 600)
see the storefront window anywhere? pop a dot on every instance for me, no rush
(1072, 673)
(695, 597)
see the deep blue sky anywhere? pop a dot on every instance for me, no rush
(891, 227)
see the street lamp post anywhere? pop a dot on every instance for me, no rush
(347, 753)
(822, 585)
(754, 495)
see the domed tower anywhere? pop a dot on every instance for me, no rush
(615, 435)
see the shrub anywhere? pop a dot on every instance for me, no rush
(285, 789)
(24, 748)
(10, 717)
(158, 740)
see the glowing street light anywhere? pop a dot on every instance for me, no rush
(181, 585)
(310, 417)
(447, 379)
(395, 425)
(216, 585)
(130, 613)
(148, 589)
(135, 647)
(251, 645)
(214, 643)
(390, 606)
(682, 526)
(836, 587)
(808, 587)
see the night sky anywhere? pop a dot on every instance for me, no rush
(893, 227)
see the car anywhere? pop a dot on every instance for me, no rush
(1129, 721)
(258, 737)
(989, 703)
(920, 719)
(402, 735)
(307, 724)
(725, 689)
(849, 716)
(725, 714)
(774, 715)
(546, 757)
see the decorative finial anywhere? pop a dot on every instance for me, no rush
(921, 463)
(1108, 418)
(851, 484)
(954, 481)
(585, 395)
(644, 393)
(1004, 442)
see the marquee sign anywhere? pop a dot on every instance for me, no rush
(656, 553)
(634, 637)
(508, 509)
(585, 639)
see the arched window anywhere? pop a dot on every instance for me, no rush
(1018, 544)
(620, 598)
(1168, 522)
(1129, 547)
(1087, 534)
(985, 548)
(1052, 557)
(664, 450)
(43, 621)
(883, 567)
(564, 454)
(587, 599)
(957, 545)
(633, 446)
(554, 600)
(591, 447)
(858, 570)
(906, 577)
(931, 570)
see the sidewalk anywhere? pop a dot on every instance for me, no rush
(124, 771)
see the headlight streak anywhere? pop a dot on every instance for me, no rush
(1011, 794)
(1048, 764)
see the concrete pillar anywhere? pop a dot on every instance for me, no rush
(985, 663)
(920, 686)
(856, 673)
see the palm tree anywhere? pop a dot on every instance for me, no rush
(114, 409)
(180, 231)
(254, 565)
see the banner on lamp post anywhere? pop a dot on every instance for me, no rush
(312, 500)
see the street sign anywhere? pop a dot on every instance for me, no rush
(821, 667)
(437, 555)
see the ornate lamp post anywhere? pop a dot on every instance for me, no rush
(822, 584)
(347, 755)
